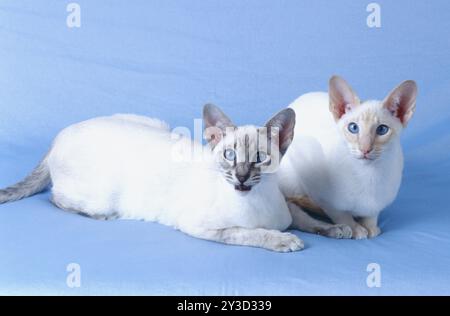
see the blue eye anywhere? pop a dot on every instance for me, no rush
(353, 128)
(382, 129)
(229, 154)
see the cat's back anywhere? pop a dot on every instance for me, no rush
(305, 160)
(125, 159)
(313, 116)
(133, 120)
(113, 129)
(120, 123)
(111, 141)
(314, 119)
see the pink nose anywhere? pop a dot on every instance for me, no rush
(366, 151)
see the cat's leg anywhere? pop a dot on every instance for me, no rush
(338, 217)
(254, 237)
(304, 222)
(63, 202)
(371, 224)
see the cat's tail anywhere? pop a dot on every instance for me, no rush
(34, 183)
(308, 205)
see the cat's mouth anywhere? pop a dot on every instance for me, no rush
(242, 187)
(367, 158)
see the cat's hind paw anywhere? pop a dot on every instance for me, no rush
(284, 242)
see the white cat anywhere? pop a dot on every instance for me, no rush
(125, 166)
(346, 158)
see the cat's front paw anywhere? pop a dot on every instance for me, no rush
(359, 232)
(339, 231)
(284, 242)
(373, 231)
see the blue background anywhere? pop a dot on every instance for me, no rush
(166, 59)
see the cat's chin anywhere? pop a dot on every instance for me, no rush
(242, 188)
(366, 159)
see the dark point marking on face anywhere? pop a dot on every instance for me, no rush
(245, 170)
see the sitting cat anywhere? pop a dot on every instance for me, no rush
(346, 159)
(125, 166)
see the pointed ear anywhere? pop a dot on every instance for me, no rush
(401, 102)
(284, 123)
(342, 97)
(216, 123)
(213, 116)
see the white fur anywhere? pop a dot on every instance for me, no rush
(320, 164)
(123, 165)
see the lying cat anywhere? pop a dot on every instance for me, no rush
(125, 166)
(346, 159)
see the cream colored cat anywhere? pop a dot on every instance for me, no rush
(346, 158)
(124, 167)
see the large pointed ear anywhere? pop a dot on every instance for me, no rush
(342, 97)
(401, 102)
(216, 123)
(282, 123)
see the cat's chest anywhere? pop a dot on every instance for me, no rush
(364, 189)
(262, 210)
(215, 204)
(263, 207)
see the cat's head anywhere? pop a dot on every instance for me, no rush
(244, 154)
(369, 127)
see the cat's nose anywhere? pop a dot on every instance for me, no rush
(366, 151)
(242, 178)
(242, 171)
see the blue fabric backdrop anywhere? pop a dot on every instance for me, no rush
(253, 57)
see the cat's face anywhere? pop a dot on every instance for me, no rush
(244, 154)
(369, 127)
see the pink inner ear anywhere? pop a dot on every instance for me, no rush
(342, 97)
(348, 107)
(400, 113)
(213, 135)
(341, 110)
(401, 101)
(396, 108)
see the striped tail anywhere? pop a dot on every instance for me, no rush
(34, 183)
(307, 204)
